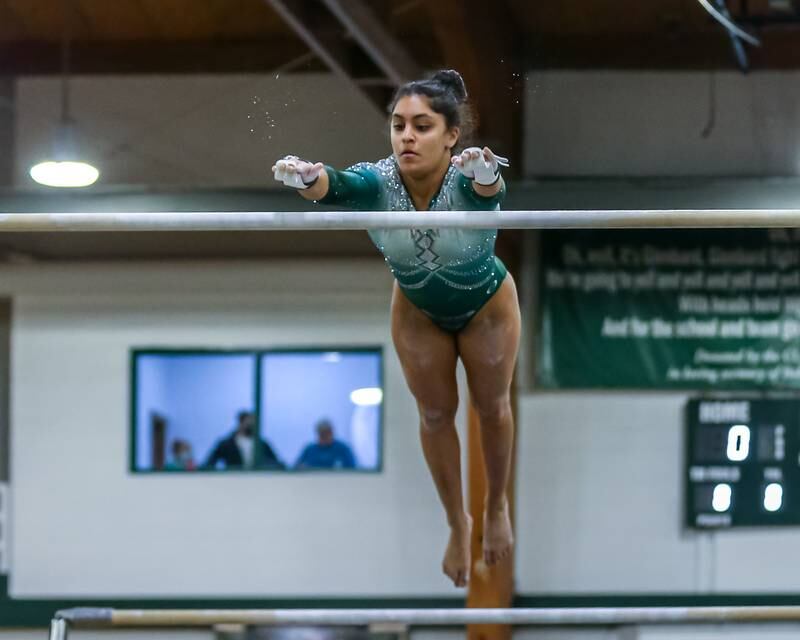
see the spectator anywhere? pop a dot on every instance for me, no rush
(326, 452)
(182, 457)
(242, 449)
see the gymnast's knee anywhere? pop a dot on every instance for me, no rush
(434, 419)
(495, 412)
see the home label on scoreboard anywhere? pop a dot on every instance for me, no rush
(743, 463)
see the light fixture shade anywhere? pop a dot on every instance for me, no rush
(367, 396)
(65, 168)
(64, 174)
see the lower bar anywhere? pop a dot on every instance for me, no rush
(58, 629)
(426, 617)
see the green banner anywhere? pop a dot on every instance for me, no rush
(670, 309)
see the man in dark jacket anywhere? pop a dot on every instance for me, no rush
(242, 449)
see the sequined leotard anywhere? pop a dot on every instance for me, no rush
(449, 274)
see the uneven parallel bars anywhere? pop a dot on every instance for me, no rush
(103, 617)
(328, 220)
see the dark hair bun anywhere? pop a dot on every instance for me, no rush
(452, 79)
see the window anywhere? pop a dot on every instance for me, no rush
(309, 409)
(306, 394)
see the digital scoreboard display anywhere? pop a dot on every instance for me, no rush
(743, 463)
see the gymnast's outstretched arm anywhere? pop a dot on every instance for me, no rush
(482, 166)
(356, 189)
(319, 189)
(309, 178)
(491, 190)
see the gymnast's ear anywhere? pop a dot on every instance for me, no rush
(451, 137)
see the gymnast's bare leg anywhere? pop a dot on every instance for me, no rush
(428, 356)
(488, 348)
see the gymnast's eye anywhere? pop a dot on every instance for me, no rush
(424, 127)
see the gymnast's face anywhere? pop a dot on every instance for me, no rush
(421, 140)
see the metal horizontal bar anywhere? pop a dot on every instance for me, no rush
(322, 220)
(428, 617)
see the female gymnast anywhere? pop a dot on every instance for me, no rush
(452, 296)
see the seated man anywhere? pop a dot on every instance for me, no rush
(326, 452)
(242, 450)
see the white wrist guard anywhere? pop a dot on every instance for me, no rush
(302, 177)
(482, 171)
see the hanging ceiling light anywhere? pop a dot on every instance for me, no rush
(65, 167)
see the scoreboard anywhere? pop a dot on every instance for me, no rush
(742, 463)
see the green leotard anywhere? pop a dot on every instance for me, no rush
(449, 274)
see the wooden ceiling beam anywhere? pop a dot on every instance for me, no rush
(11, 22)
(77, 20)
(479, 39)
(156, 57)
(767, 8)
(385, 51)
(144, 9)
(624, 52)
(293, 13)
(679, 52)
(305, 22)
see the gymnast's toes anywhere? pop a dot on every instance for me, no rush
(456, 563)
(498, 536)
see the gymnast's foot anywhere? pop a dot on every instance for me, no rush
(498, 536)
(457, 555)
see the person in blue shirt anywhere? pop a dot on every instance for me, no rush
(327, 452)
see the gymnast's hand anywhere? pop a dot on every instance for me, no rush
(480, 165)
(296, 173)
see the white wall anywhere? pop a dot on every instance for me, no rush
(82, 525)
(720, 632)
(4, 520)
(601, 495)
(650, 124)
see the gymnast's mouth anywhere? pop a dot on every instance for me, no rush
(408, 154)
